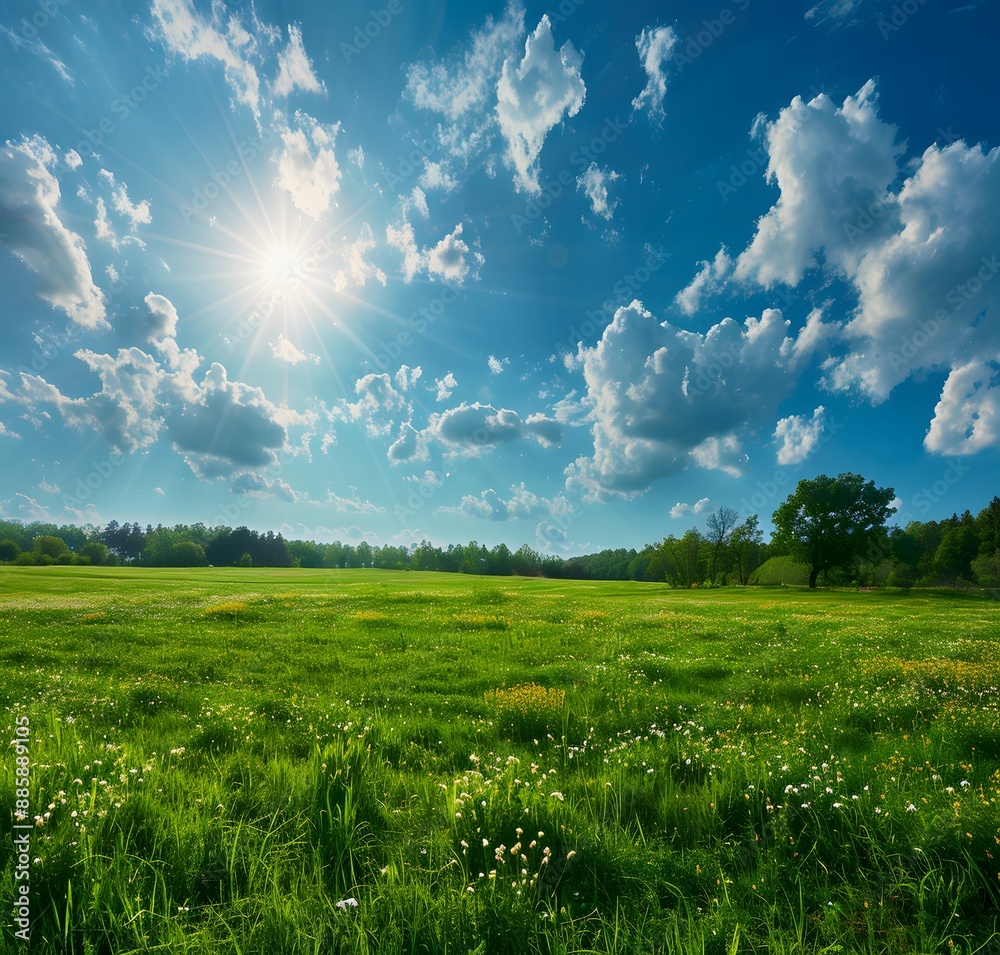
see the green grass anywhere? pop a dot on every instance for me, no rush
(219, 757)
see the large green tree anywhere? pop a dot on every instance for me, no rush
(828, 522)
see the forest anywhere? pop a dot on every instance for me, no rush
(959, 551)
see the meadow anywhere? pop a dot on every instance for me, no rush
(292, 761)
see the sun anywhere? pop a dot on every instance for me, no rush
(282, 266)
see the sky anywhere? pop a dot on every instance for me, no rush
(571, 276)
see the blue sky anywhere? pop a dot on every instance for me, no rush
(570, 275)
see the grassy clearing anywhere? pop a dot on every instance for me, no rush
(220, 757)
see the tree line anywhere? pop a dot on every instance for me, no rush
(829, 531)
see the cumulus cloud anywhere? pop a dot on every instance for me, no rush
(307, 165)
(35, 234)
(683, 510)
(161, 318)
(920, 254)
(260, 487)
(295, 69)
(519, 503)
(377, 402)
(450, 259)
(710, 278)
(352, 504)
(407, 446)
(533, 97)
(799, 436)
(496, 365)
(832, 164)
(924, 290)
(126, 411)
(406, 377)
(232, 427)
(662, 399)
(436, 176)
(655, 46)
(967, 418)
(594, 182)
(445, 386)
(474, 429)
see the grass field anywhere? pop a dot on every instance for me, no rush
(219, 757)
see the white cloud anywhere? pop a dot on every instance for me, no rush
(832, 165)
(436, 176)
(39, 49)
(358, 270)
(497, 364)
(655, 46)
(285, 351)
(377, 401)
(449, 259)
(520, 503)
(406, 377)
(923, 290)
(29, 218)
(232, 427)
(259, 487)
(418, 199)
(222, 38)
(471, 430)
(662, 399)
(710, 278)
(352, 504)
(162, 318)
(462, 88)
(126, 411)
(533, 97)
(136, 213)
(594, 182)
(799, 436)
(103, 228)
(445, 386)
(408, 446)
(683, 510)
(921, 256)
(402, 237)
(295, 69)
(307, 167)
(967, 418)
(73, 160)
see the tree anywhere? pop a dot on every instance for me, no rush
(97, 552)
(745, 543)
(828, 522)
(720, 525)
(9, 550)
(51, 546)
